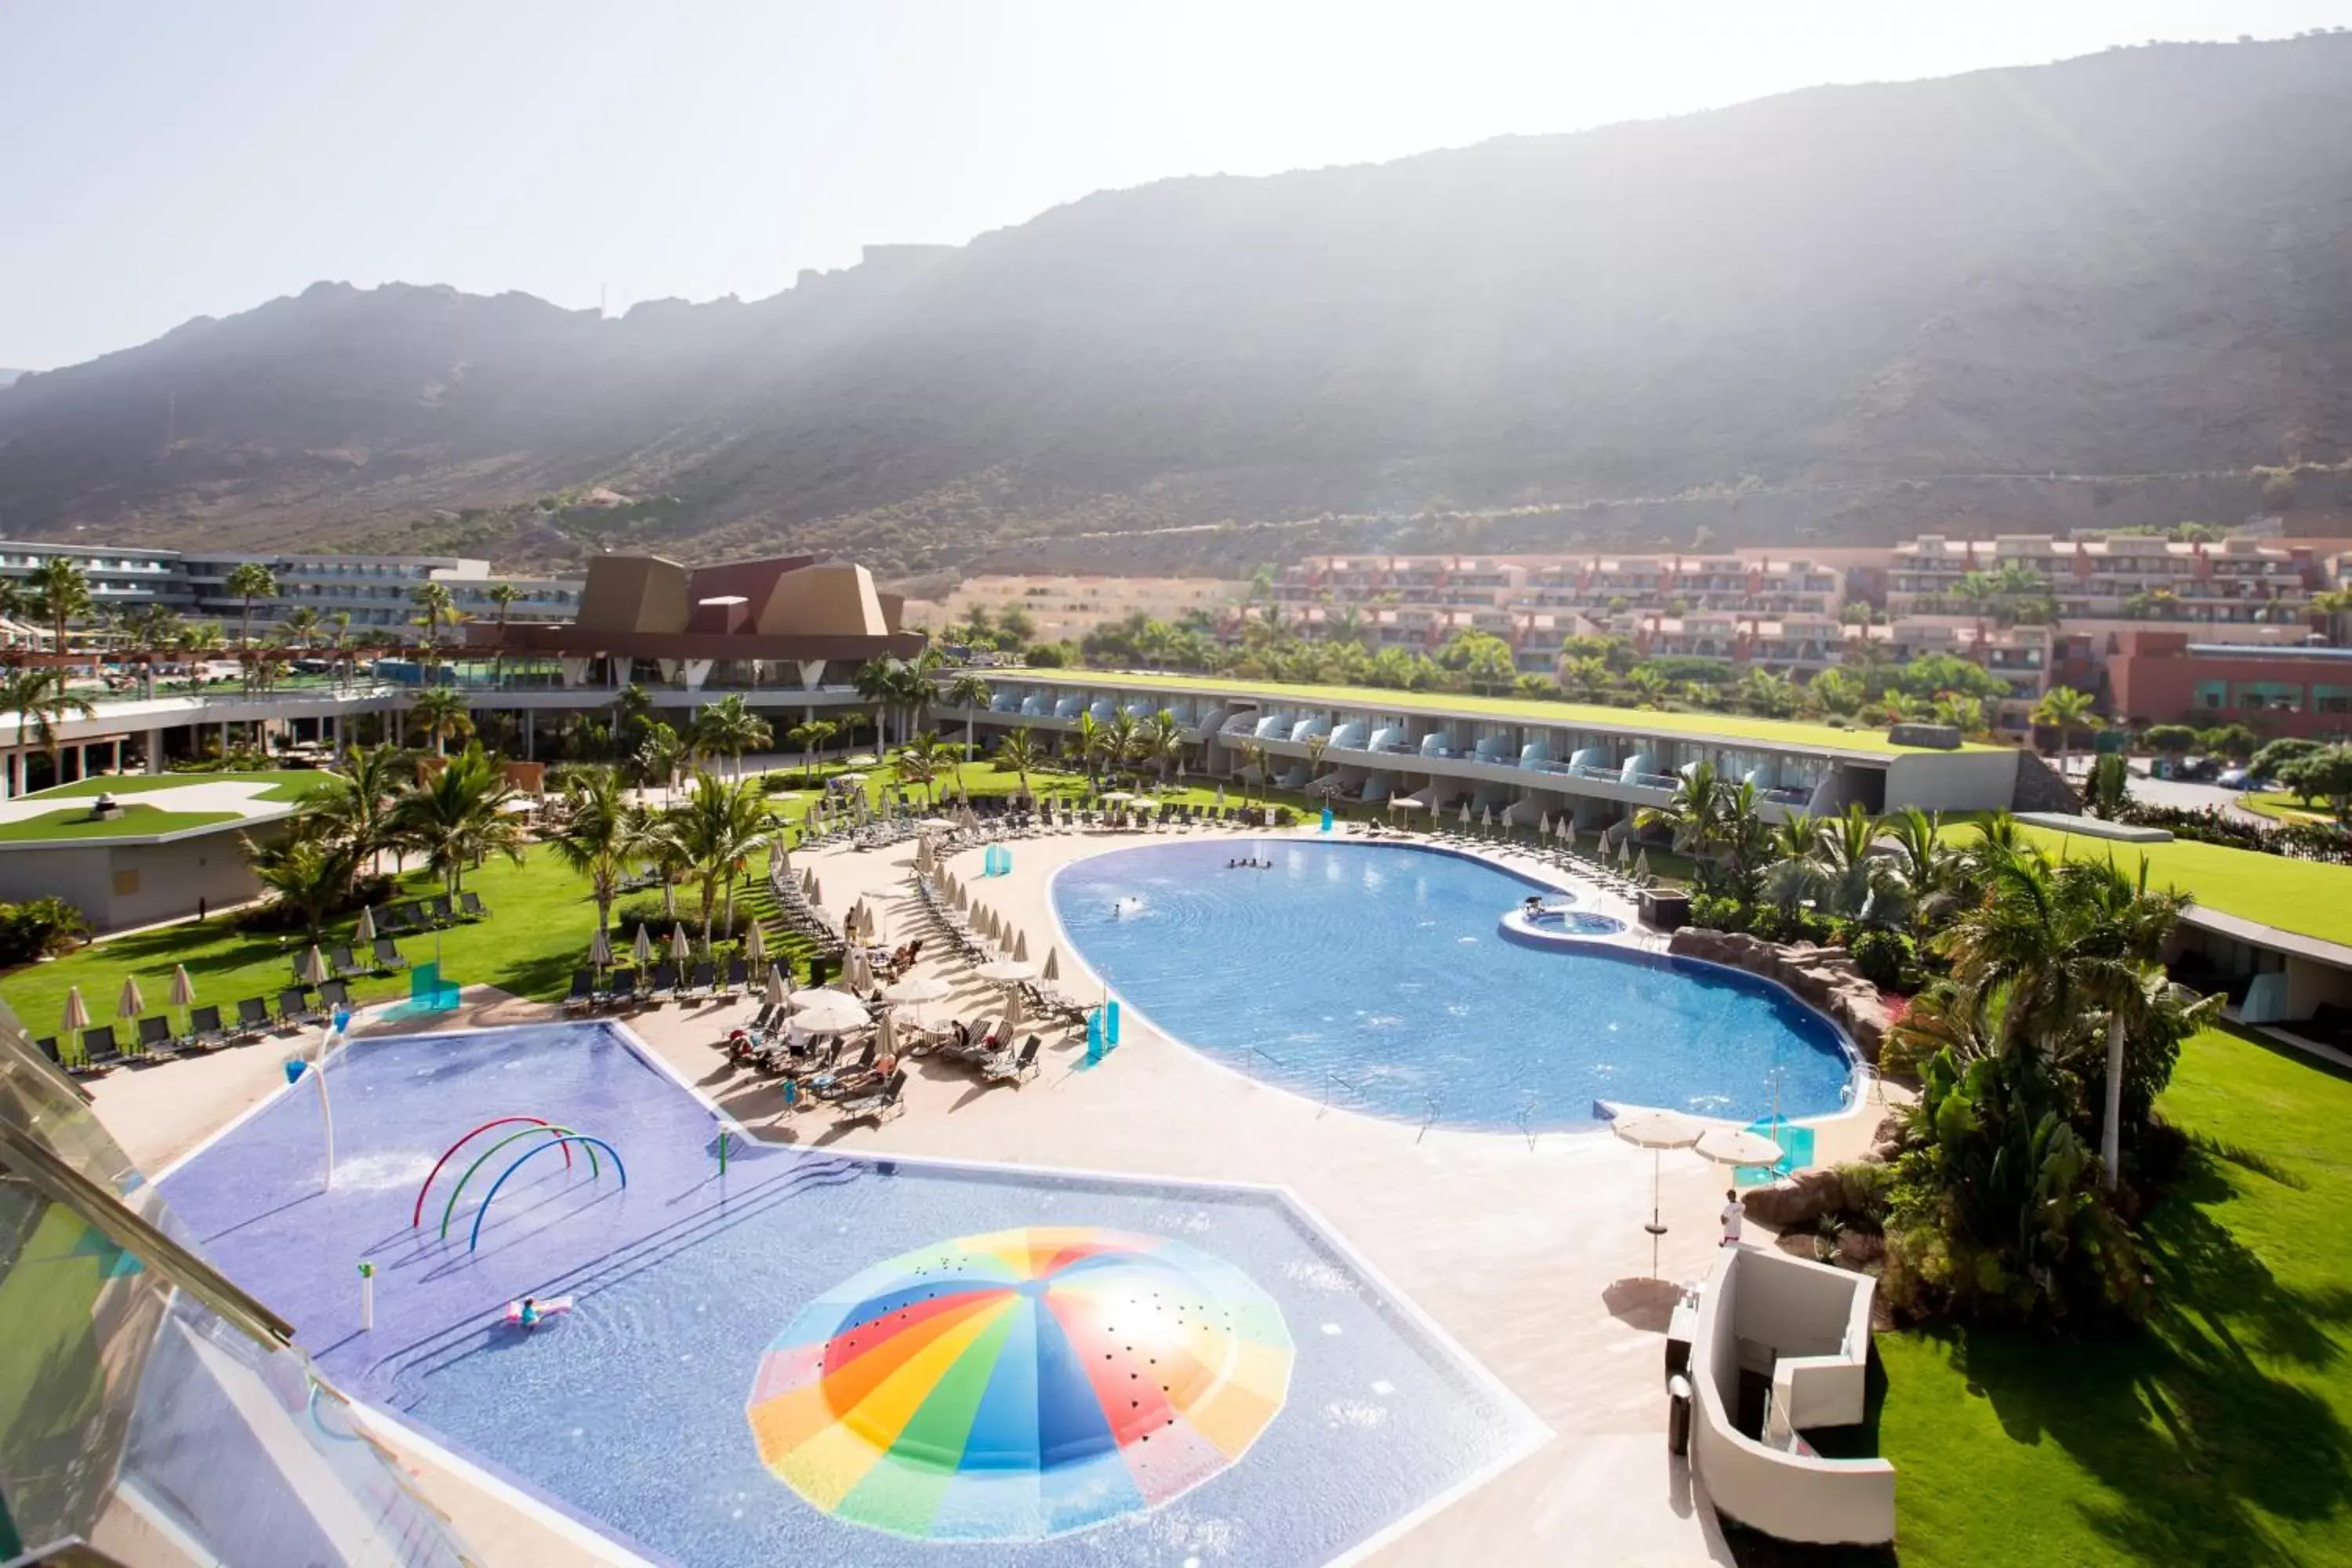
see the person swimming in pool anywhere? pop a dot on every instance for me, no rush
(1534, 905)
(530, 1315)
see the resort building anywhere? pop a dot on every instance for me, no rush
(1521, 760)
(377, 592)
(1064, 608)
(2232, 581)
(2171, 678)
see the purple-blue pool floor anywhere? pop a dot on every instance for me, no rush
(629, 1414)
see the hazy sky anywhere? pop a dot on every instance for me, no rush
(175, 158)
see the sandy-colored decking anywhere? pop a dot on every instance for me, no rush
(1531, 1256)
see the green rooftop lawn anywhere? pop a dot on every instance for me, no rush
(2309, 897)
(1695, 726)
(2222, 1434)
(136, 822)
(291, 785)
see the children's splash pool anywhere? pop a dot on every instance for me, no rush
(829, 1360)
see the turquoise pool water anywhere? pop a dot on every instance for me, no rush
(1373, 975)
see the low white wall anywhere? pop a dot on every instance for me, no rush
(120, 885)
(1792, 1497)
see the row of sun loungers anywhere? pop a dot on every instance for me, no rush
(103, 1045)
(664, 981)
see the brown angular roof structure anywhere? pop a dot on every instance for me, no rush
(780, 607)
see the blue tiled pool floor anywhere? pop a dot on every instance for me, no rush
(630, 1414)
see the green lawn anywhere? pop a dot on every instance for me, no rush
(1696, 726)
(2310, 896)
(2222, 1434)
(2284, 807)
(289, 786)
(136, 821)
(536, 932)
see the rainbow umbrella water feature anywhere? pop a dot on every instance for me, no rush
(1020, 1384)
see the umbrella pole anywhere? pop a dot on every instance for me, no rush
(1654, 1228)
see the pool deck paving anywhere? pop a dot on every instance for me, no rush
(1530, 1253)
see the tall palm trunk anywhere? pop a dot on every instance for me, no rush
(2111, 1144)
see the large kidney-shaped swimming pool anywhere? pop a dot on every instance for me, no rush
(1375, 976)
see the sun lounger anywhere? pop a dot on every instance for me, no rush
(340, 961)
(664, 981)
(622, 988)
(333, 996)
(1014, 1069)
(387, 954)
(443, 914)
(294, 1008)
(880, 1106)
(156, 1035)
(98, 1048)
(739, 973)
(48, 1046)
(204, 1029)
(704, 979)
(252, 1016)
(470, 905)
(582, 994)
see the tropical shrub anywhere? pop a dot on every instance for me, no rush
(38, 928)
(1715, 911)
(1885, 957)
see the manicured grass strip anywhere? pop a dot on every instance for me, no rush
(289, 786)
(2222, 1433)
(1694, 726)
(2310, 897)
(2284, 807)
(136, 822)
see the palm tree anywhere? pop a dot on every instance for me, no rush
(633, 714)
(1119, 738)
(1648, 686)
(505, 595)
(249, 580)
(914, 766)
(64, 593)
(600, 831)
(811, 738)
(2072, 938)
(1086, 742)
(2066, 711)
(1851, 879)
(1792, 877)
(659, 756)
(355, 806)
(720, 826)
(1694, 815)
(442, 713)
(40, 701)
(455, 817)
(1018, 750)
(301, 625)
(1160, 742)
(729, 728)
(1927, 873)
(971, 693)
(875, 685)
(434, 600)
(308, 872)
(911, 688)
(1255, 759)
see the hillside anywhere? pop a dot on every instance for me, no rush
(2134, 264)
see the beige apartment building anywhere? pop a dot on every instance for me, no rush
(1068, 607)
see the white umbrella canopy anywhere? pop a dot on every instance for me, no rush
(1543, 824)
(827, 1010)
(1655, 1131)
(314, 966)
(184, 990)
(680, 950)
(917, 988)
(1021, 946)
(808, 886)
(129, 1003)
(1487, 818)
(1648, 1129)
(815, 890)
(779, 987)
(1053, 967)
(365, 930)
(1013, 1006)
(77, 1016)
(1738, 1146)
(755, 943)
(958, 898)
(1466, 813)
(600, 949)
(886, 1036)
(1007, 972)
(1641, 866)
(645, 946)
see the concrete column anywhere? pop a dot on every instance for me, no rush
(8, 777)
(530, 734)
(223, 740)
(118, 754)
(155, 750)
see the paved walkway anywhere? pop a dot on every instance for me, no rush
(1530, 1253)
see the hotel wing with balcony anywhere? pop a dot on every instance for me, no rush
(1404, 748)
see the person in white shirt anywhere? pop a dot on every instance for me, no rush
(1732, 1216)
